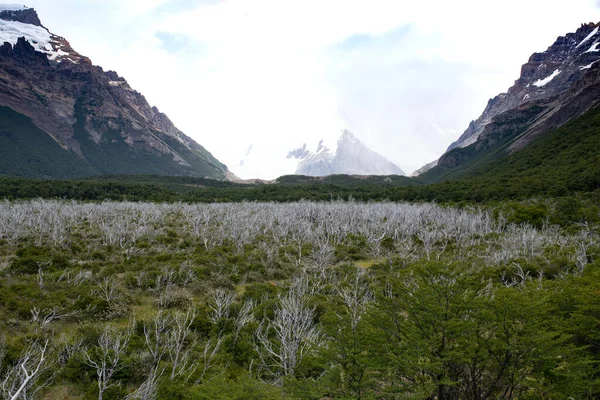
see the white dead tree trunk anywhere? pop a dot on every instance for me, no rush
(47, 315)
(108, 290)
(244, 317)
(148, 390)
(155, 335)
(356, 297)
(22, 380)
(209, 355)
(108, 358)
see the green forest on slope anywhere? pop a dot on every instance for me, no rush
(27, 151)
(562, 162)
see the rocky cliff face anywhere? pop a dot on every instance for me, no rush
(19, 14)
(91, 113)
(544, 80)
(348, 156)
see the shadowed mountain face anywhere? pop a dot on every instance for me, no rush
(555, 87)
(350, 156)
(95, 120)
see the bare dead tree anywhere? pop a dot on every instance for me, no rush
(322, 255)
(209, 356)
(108, 290)
(356, 297)
(180, 343)
(221, 305)
(25, 378)
(47, 315)
(156, 334)
(41, 267)
(282, 342)
(244, 317)
(148, 390)
(107, 357)
(70, 349)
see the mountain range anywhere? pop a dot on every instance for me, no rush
(63, 117)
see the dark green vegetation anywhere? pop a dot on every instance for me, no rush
(300, 301)
(559, 163)
(27, 151)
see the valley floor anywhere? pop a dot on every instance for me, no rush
(302, 300)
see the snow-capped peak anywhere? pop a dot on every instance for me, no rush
(11, 31)
(56, 48)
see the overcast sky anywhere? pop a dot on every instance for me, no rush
(407, 75)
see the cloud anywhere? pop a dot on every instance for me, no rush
(181, 45)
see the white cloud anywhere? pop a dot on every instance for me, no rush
(274, 72)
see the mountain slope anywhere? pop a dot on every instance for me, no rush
(548, 81)
(27, 151)
(104, 125)
(563, 161)
(565, 158)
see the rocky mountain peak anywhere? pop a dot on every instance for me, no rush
(545, 75)
(23, 52)
(555, 87)
(348, 156)
(20, 21)
(17, 13)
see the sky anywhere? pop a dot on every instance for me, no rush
(406, 77)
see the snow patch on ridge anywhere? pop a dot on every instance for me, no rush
(587, 66)
(593, 48)
(11, 31)
(545, 81)
(588, 37)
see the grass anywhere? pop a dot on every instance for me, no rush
(63, 392)
(366, 264)
(240, 290)
(145, 309)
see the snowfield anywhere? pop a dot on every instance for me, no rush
(40, 38)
